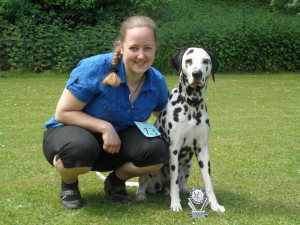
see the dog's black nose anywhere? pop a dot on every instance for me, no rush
(197, 74)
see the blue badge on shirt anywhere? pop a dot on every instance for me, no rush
(149, 130)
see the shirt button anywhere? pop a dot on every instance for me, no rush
(128, 110)
(109, 107)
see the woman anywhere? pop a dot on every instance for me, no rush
(93, 127)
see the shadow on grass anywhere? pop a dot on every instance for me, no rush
(237, 204)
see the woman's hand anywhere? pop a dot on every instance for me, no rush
(111, 140)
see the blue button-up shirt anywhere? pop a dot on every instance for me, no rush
(112, 103)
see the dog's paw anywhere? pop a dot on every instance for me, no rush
(175, 208)
(140, 197)
(218, 208)
(185, 190)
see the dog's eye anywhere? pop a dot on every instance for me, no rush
(205, 61)
(188, 62)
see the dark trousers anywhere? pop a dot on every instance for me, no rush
(78, 147)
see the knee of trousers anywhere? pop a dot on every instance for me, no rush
(155, 152)
(80, 151)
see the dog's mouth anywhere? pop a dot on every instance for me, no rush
(197, 83)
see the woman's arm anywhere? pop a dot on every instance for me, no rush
(156, 114)
(68, 111)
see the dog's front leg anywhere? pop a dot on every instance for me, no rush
(204, 163)
(174, 182)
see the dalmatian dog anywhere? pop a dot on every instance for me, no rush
(185, 124)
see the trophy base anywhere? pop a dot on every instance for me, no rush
(198, 214)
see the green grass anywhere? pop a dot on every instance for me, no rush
(254, 148)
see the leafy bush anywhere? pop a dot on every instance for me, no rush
(57, 39)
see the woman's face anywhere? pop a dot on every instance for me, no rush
(138, 50)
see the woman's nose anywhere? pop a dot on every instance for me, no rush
(141, 54)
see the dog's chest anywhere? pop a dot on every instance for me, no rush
(180, 113)
(185, 126)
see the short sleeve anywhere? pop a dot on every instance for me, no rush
(85, 81)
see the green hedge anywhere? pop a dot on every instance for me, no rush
(249, 40)
(257, 41)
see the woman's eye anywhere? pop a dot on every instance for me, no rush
(133, 48)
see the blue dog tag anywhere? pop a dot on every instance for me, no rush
(149, 130)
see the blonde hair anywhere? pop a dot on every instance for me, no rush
(130, 23)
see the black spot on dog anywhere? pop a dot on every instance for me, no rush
(189, 117)
(201, 164)
(209, 168)
(170, 125)
(176, 114)
(194, 101)
(185, 108)
(161, 130)
(171, 95)
(207, 122)
(187, 161)
(179, 88)
(205, 108)
(181, 178)
(184, 151)
(173, 167)
(206, 68)
(198, 89)
(189, 90)
(197, 116)
(157, 186)
(163, 122)
(175, 152)
(164, 113)
(186, 176)
(177, 181)
(184, 79)
(190, 52)
(179, 99)
(195, 144)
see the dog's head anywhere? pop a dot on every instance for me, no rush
(196, 63)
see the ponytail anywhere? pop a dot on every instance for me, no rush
(112, 78)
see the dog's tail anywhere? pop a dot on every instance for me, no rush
(102, 177)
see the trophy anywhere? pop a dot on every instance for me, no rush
(198, 196)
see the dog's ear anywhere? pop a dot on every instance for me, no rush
(176, 60)
(215, 64)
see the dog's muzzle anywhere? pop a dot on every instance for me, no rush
(197, 75)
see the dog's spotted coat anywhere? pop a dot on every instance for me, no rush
(185, 124)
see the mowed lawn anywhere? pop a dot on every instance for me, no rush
(254, 148)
